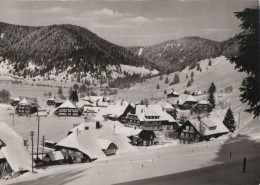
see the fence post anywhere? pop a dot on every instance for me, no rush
(244, 165)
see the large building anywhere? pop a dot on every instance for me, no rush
(14, 158)
(68, 109)
(195, 130)
(150, 117)
(186, 102)
(27, 106)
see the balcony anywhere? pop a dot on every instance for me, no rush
(189, 131)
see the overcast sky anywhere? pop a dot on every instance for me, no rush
(130, 23)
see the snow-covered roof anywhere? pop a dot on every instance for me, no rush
(14, 150)
(115, 110)
(204, 102)
(17, 98)
(205, 124)
(165, 104)
(24, 102)
(107, 132)
(51, 99)
(93, 98)
(55, 155)
(104, 143)
(83, 141)
(127, 131)
(186, 98)
(141, 111)
(67, 104)
(173, 92)
(197, 92)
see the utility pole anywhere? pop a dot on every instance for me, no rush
(13, 119)
(37, 158)
(43, 143)
(32, 148)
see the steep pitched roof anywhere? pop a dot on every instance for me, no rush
(152, 110)
(165, 104)
(68, 104)
(14, 150)
(83, 141)
(186, 98)
(206, 123)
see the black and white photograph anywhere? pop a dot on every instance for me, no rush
(129, 92)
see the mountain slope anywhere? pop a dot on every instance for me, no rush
(62, 47)
(175, 55)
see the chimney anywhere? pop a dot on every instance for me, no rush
(86, 128)
(163, 109)
(146, 105)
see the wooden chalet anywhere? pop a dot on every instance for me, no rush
(27, 106)
(203, 129)
(51, 102)
(118, 111)
(150, 117)
(186, 102)
(14, 158)
(15, 101)
(172, 93)
(196, 93)
(203, 107)
(82, 146)
(68, 109)
(53, 158)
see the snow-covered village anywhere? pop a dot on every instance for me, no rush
(129, 92)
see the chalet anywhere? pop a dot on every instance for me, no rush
(68, 109)
(186, 102)
(96, 101)
(15, 101)
(203, 129)
(79, 147)
(107, 147)
(196, 93)
(27, 106)
(53, 158)
(172, 93)
(14, 158)
(51, 102)
(203, 107)
(106, 131)
(168, 108)
(117, 111)
(150, 117)
(138, 137)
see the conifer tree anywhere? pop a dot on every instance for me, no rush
(229, 121)
(192, 74)
(166, 80)
(187, 76)
(165, 92)
(212, 88)
(189, 84)
(211, 99)
(157, 87)
(176, 79)
(161, 77)
(210, 62)
(247, 59)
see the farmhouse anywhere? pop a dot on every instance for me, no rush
(196, 93)
(150, 117)
(15, 101)
(53, 157)
(80, 146)
(186, 102)
(14, 158)
(68, 109)
(196, 130)
(51, 102)
(172, 93)
(114, 112)
(138, 137)
(203, 107)
(27, 106)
